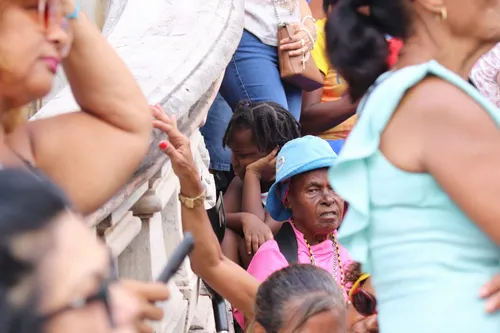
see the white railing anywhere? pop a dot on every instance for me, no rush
(177, 51)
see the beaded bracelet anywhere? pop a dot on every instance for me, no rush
(310, 36)
(312, 19)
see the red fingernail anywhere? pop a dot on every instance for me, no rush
(163, 145)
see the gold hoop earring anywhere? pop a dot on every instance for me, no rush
(444, 13)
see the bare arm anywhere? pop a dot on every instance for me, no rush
(227, 278)
(252, 202)
(91, 154)
(460, 148)
(318, 117)
(232, 205)
(305, 10)
(317, 9)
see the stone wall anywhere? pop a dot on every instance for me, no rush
(177, 51)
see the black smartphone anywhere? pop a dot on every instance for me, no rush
(177, 258)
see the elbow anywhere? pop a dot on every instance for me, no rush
(203, 265)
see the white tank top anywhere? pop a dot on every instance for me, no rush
(261, 20)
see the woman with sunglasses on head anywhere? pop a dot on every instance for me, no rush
(89, 154)
(55, 276)
(362, 309)
(423, 215)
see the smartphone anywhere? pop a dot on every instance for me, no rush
(177, 258)
(217, 217)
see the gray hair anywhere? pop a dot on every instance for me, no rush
(293, 295)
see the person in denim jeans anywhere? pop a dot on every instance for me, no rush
(253, 72)
(218, 118)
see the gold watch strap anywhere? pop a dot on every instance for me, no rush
(193, 202)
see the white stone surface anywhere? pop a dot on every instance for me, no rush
(177, 51)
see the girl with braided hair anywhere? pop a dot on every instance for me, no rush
(254, 134)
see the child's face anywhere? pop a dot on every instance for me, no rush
(244, 151)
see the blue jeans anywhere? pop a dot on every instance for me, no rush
(253, 74)
(336, 145)
(213, 131)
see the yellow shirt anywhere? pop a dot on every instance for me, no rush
(335, 86)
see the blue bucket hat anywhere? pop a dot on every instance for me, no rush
(297, 156)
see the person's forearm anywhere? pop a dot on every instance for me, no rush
(207, 251)
(305, 10)
(251, 199)
(207, 261)
(320, 117)
(234, 222)
(101, 82)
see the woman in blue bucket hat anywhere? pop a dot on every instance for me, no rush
(303, 199)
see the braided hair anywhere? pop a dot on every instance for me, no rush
(271, 125)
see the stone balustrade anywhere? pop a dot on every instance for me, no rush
(177, 51)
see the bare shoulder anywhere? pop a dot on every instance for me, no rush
(431, 117)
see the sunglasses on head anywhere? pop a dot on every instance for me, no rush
(364, 302)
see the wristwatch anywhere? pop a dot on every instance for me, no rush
(191, 203)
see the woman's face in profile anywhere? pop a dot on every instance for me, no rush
(77, 267)
(33, 45)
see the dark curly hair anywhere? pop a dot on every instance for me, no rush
(271, 125)
(353, 273)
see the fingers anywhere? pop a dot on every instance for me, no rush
(150, 291)
(159, 113)
(163, 126)
(492, 291)
(490, 288)
(291, 46)
(170, 150)
(262, 239)
(142, 327)
(299, 52)
(248, 243)
(151, 312)
(493, 303)
(255, 243)
(269, 235)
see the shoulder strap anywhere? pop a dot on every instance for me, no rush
(287, 243)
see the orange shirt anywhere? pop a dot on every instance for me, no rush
(335, 86)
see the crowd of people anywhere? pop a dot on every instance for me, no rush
(366, 205)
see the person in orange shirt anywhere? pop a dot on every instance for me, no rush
(329, 112)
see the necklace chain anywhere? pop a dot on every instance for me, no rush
(337, 263)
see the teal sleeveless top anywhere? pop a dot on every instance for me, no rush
(427, 259)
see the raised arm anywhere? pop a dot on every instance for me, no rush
(227, 278)
(92, 153)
